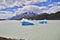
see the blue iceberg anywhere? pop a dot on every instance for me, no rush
(26, 22)
(43, 21)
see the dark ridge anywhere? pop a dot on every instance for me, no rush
(52, 16)
(4, 38)
(2, 19)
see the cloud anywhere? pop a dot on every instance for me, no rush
(38, 0)
(5, 15)
(31, 8)
(58, 2)
(34, 1)
(12, 3)
(1, 1)
(54, 4)
(42, 9)
(54, 9)
(29, 2)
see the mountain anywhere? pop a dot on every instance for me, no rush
(4, 38)
(52, 16)
(23, 15)
(30, 11)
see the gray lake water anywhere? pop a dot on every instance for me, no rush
(14, 29)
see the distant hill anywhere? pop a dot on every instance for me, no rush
(4, 38)
(51, 16)
(35, 16)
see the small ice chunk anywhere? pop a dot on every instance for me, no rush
(43, 21)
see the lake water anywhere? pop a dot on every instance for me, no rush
(14, 29)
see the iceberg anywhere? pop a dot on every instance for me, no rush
(44, 21)
(26, 22)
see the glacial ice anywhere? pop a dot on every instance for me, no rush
(25, 22)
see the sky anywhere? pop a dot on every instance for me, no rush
(40, 3)
(46, 3)
(20, 6)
